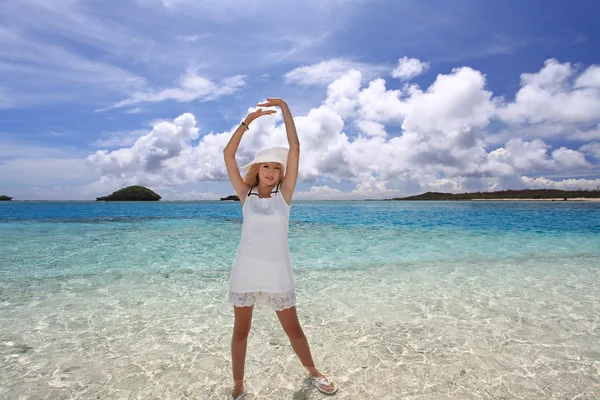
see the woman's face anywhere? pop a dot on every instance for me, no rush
(269, 173)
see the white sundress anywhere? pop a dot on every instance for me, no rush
(262, 271)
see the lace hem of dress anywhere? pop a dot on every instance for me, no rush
(276, 301)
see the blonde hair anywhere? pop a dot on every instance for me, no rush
(252, 175)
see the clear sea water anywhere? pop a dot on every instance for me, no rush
(411, 300)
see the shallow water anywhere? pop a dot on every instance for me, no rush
(398, 300)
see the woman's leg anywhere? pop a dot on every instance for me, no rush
(291, 326)
(239, 343)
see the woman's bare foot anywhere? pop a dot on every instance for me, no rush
(238, 388)
(316, 374)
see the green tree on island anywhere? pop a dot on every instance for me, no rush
(131, 193)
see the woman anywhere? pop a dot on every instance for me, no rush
(262, 272)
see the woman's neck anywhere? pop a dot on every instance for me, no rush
(264, 190)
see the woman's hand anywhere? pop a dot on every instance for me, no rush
(257, 114)
(272, 102)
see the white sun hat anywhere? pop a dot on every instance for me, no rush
(271, 154)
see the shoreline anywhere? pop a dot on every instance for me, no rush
(590, 199)
(593, 199)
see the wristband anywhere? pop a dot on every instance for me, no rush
(245, 126)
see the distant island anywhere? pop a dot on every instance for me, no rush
(232, 197)
(527, 194)
(131, 193)
(5, 198)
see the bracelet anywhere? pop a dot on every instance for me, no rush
(246, 126)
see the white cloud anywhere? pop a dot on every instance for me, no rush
(409, 68)
(441, 145)
(589, 79)
(91, 52)
(136, 110)
(342, 94)
(38, 71)
(189, 196)
(363, 191)
(166, 156)
(569, 159)
(565, 184)
(548, 131)
(322, 193)
(325, 72)
(523, 156)
(592, 149)
(443, 133)
(548, 96)
(291, 46)
(376, 103)
(452, 102)
(191, 87)
(325, 144)
(411, 139)
(585, 135)
(552, 104)
(120, 139)
(531, 156)
(371, 128)
(442, 127)
(195, 37)
(150, 152)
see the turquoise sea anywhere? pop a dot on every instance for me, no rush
(411, 300)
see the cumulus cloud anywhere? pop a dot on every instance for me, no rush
(585, 135)
(342, 94)
(550, 96)
(592, 149)
(589, 79)
(409, 68)
(386, 142)
(565, 184)
(523, 156)
(569, 159)
(533, 156)
(360, 192)
(452, 102)
(441, 126)
(371, 128)
(376, 103)
(166, 155)
(151, 153)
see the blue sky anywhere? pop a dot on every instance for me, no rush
(391, 98)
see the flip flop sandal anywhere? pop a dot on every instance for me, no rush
(240, 397)
(321, 383)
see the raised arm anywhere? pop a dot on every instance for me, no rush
(288, 184)
(239, 185)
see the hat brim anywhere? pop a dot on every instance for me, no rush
(264, 159)
(273, 154)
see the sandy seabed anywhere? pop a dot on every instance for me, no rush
(503, 330)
